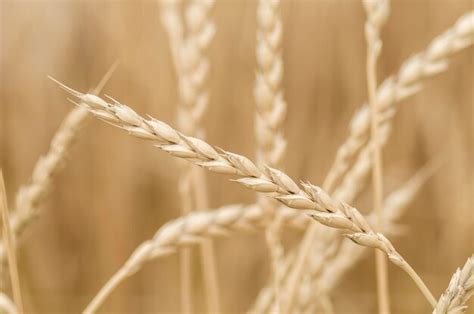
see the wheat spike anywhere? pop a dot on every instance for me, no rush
(460, 289)
(192, 68)
(395, 205)
(332, 258)
(433, 60)
(270, 181)
(270, 113)
(405, 83)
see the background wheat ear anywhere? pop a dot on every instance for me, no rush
(33, 194)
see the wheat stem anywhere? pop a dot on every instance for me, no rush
(9, 241)
(377, 14)
(419, 282)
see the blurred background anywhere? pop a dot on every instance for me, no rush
(116, 191)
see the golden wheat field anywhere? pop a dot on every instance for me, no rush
(246, 143)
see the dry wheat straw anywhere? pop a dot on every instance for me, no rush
(270, 181)
(192, 68)
(270, 113)
(30, 197)
(460, 289)
(407, 82)
(9, 243)
(331, 259)
(377, 15)
(191, 230)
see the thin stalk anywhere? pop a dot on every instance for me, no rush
(207, 248)
(419, 282)
(99, 298)
(377, 175)
(185, 254)
(10, 246)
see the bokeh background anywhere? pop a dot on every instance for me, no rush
(116, 191)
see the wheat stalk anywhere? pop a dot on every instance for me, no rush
(460, 289)
(30, 197)
(270, 113)
(407, 82)
(9, 240)
(377, 15)
(269, 181)
(192, 68)
(331, 260)
(191, 230)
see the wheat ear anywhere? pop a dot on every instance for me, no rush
(377, 15)
(194, 99)
(173, 26)
(270, 113)
(270, 181)
(30, 197)
(407, 82)
(460, 289)
(192, 68)
(347, 257)
(329, 261)
(9, 242)
(191, 230)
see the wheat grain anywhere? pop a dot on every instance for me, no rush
(9, 243)
(270, 113)
(270, 181)
(460, 289)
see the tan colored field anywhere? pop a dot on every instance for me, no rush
(114, 192)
